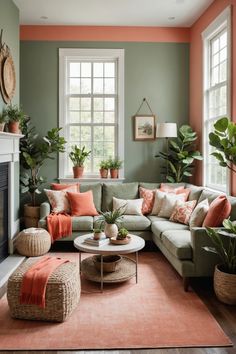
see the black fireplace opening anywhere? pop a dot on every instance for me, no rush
(3, 211)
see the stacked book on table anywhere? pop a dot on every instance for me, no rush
(91, 241)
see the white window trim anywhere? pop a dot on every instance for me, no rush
(218, 24)
(106, 54)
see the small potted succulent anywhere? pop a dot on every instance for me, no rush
(3, 120)
(110, 219)
(78, 157)
(15, 116)
(122, 234)
(114, 166)
(104, 167)
(97, 233)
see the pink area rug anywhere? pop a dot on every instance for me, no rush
(155, 313)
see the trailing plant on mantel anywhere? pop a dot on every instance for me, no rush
(35, 151)
(180, 155)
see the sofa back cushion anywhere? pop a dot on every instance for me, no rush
(120, 190)
(195, 191)
(151, 186)
(207, 194)
(96, 189)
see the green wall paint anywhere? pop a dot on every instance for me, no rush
(157, 71)
(9, 22)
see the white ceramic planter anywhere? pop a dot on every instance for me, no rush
(111, 230)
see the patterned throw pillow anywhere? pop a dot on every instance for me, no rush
(199, 214)
(148, 196)
(131, 206)
(183, 211)
(168, 204)
(58, 199)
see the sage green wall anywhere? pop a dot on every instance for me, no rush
(157, 71)
(9, 22)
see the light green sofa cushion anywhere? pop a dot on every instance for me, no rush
(195, 192)
(79, 223)
(96, 188)
(178, 242)
(130, 222)
(159, 227)
(121, 191)
(206, 194)
(154, 218)
(149, 185)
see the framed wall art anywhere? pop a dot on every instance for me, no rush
(144, 127)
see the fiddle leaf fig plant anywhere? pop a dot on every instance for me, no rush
(180, 155)
(223, 138)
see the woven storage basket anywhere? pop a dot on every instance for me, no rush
(33, 242)
(62, 294)
(225, 286)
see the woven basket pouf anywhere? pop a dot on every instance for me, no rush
(33, 242)
(62, 294)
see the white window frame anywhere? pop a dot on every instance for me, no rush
(66, 54)
(221, 22)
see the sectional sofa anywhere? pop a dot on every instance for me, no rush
(181, 246)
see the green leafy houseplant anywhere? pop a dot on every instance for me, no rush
(114, 166)
(122, 233)
(78, 157)
(181, 155)
(104, 166)
(111, 219)
(16, 117)
(35, 151)
(223, 138)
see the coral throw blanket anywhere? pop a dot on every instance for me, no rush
(59, 225)
(34, 282)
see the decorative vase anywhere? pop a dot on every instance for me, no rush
(103, 172)
(114, 173)
(2, 125)
(225, 286)
(78, 171)
(111, 230)
(97, 235)
(14, 127)
(31, 215)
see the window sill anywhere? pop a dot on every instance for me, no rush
(90, 180)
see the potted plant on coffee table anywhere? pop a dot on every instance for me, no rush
(35, 151)
(78, 157)
(3, 120)
(224, 242)
(104, 167)
(15, 116)
(114, 166)
(110, 219)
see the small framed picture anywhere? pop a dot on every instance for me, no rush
(144, 127)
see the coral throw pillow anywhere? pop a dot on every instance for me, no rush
(183, 211)
(219, 210)
(82, 204)
(199, 214)
(148, 196)
(60, 187)
(179, 190)
(58, 199)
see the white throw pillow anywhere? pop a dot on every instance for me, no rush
(199, 214)
(168, 204)
(58, 199)
(159, 196)
(131, 206)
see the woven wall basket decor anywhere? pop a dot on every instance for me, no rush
(7, 72)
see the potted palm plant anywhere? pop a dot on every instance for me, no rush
(16, 117)
(3, 120)
(114, 166)
(78, 157)
(104, 167)
(110, 219)
(35, 151)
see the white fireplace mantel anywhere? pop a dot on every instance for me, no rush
(9, 152)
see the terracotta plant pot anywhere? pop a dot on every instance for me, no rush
(97, 235)
(31, 215)
(114, 173)
(14, 127)
(2, 125)
(225, 286)
(78, 171)
(103, 172)
(111, 230)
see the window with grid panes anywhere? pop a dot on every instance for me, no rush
(92, 114)
(216, 98)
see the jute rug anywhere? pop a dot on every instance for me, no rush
(155, 313)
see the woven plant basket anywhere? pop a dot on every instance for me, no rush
(109, 263)
(225, 286)
(62, 294)
(33, 242)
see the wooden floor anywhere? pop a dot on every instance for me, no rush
(225, 315)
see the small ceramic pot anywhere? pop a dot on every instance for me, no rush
(97, 235)
(78, 171)
(14, 127)
(114, 173)
(103, 172)
(111, 230)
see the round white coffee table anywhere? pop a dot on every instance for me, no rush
(128, 267)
